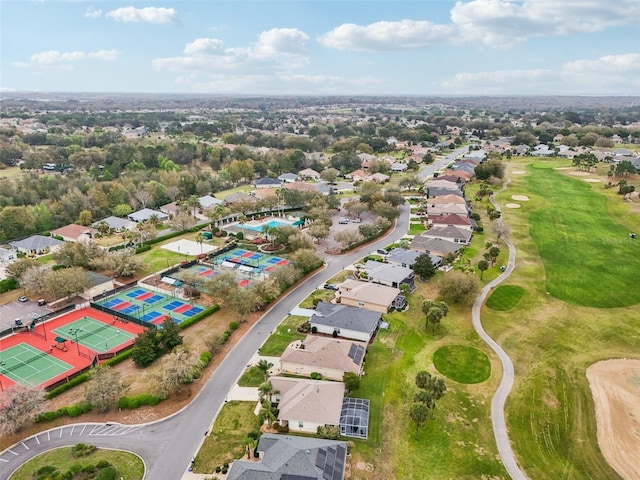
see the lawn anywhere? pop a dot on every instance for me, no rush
(252, 377)
(226, 439)
(550, 413)
(416, 228)
(317, 295)
(582, 245)
(285, 334)
(158, 259)
(462, 364)
(128, 465)
(505, 297)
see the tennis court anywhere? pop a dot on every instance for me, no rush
(30, 367)
(151, 307)
(93, 334)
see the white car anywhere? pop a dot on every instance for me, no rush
(343, 220)
(356, 220)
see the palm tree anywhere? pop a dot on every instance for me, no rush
(103, 228)
(200, 239)
(241, 220)
(266, 392)
(264, 366)
(193, 202)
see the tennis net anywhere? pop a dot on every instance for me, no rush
(20, 362)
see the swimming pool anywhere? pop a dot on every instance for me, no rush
(272, 224)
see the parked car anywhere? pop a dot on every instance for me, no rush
(42, 302)
(23, 299)
(356, 220)
(343, 220)
(329, 286)
(382, 252)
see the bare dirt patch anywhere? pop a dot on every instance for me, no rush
(519, 172)
(615, 386)
(512, 205)
(592, 180)
(579, 174)
(520, 198)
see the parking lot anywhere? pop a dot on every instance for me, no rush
(24, 310)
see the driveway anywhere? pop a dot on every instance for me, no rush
(168, 445)
(23, 310)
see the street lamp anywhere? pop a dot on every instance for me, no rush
(74, 332)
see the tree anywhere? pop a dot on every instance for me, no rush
(66, 282)
(123, 263)
(266, 392)
(385, 210)
(493, 167)
(623, 169)
(18, 407)
(146, 230)
(351, 381)
(242, 301)
(483, 266)
(178, 368)
(355, 207)
(348, 237)
(458, 287)
(434, 386)
(85, 217)
(78, 254)
(169, 336)
(492, 255)
(264, 366)
(419, 414)
(105, 388)
(410, 181)
(33, 280)
(329, 175)
(219, 286)
(306, 259)
(434, 311)
(146, 348)
(17, 268)
(318, 230)
(142, 198)
(423, 267)
(181, 221)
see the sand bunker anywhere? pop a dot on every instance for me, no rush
(520, 198)
(615, 386)
(579, 174)
(563, 168)
(512, 205)
(519, 172)
(592, 180)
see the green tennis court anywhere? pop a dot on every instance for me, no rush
(95, 335)
(29, 366)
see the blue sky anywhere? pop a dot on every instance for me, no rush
(304, 47)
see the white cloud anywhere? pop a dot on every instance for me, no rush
(53, 56)
(279, 49)
(608, 75)
(93, 12)
(404, 34)
(157, 15)
(494, 23)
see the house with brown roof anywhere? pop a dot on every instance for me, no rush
(444, 199)
(453, 220)
(331, 357)
(448, 208)
(434, 246)
(304, 404)
(370, 296)
(75, 233)
(378, 178)
(356, 175)
(450, 233)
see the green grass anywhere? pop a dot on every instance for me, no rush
(588, 256)
(550, 412)
(226, 439)
(505, 297)
(416, 228)
(11, 172)
(128, 465)
(285, 334)
(252, 377)
(462, 364)
(322, 295)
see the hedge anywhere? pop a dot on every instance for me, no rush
(83, 377)
(71, 411)
(196, 318)
(366, 240)
(119, 358)
(205, 358)
(8, 284)
(138, 401)
(145, 247)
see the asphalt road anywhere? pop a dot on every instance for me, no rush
(168, 445)
(430, 169)
(499, 398)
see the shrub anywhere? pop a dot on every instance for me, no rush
(78, 409)
(143, 248)
(138, 401)
(8, 284)
(233, 326)
(240, 236)
(82, 450)
(69, 385)
(218, 468)
(121, 357)
(205, 358)
(314, 329)
(225, 470)
(103, 464)
(316, 376)
(107, 473)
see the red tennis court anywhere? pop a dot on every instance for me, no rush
(182, 308)
(144, 296)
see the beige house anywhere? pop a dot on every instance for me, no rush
(75, 233)
(444, 199)
(331, 357)
(304, 405)
(370, 296)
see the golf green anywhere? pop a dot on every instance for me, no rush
(462, 364)
(505, 297)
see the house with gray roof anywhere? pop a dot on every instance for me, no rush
(398, 167)
(238, 197)
(347, 322)
(208, 201)
(267, 182)
(406, 258)
(288, 177)
(389, 274)
(450, 233)
(7, 256)
(434, 246)
(288, 457)
(116, 224)
(309, 173)
(439, 191)
(146, 214)
(36, 245)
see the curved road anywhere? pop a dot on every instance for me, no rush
(168, 445)
(497, 403)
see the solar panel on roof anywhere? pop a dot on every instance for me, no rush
(321, 458)
(359, 353)
(352, 350)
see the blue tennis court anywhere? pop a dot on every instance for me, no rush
(135, 293)
(173, 305)
(273, 260)
(153, 299)
(113, 302)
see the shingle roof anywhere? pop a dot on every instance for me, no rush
(386, 271)
(331, 353)
(309, 400)
(288, 457)
(36, 242)
(266, 181)
(146, 214)
(115, 223)
(447, 231)
(207, 201)
(434, 245)
(343, 316)
(368, 292)
(73, 231)
(403, 256)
